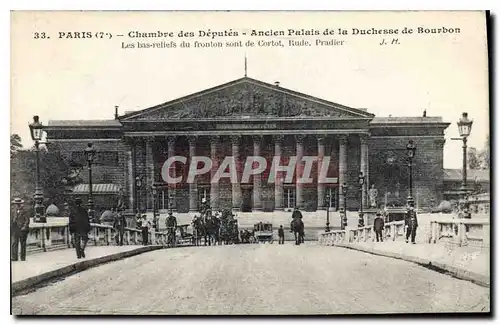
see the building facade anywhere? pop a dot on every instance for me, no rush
(245, 118)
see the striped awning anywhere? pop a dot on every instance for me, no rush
(96, 189)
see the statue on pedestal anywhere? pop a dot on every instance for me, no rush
(373, 193)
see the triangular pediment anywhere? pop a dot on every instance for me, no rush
(249, 98)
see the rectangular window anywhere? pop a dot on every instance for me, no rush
(289, 197)
(332, 192)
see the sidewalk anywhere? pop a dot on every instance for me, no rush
(468, 263)
(40, 267)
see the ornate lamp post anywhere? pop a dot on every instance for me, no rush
(327, 198)
(410, 150)
(155, 217)
(344, 214)
(138, 184)
(361, 180)
(464, 128)
(170, 201)
(90, 156)
(36, 130)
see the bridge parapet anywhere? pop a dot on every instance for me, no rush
(55, 235)
(392, 230)
(461, 232)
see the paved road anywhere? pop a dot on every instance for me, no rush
(255, 279)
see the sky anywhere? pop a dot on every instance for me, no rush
(61, 78)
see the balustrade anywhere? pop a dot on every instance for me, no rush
(55, 235)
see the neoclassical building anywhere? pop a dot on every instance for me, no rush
(248, 117)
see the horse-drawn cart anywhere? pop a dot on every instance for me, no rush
(182, 234)
(263, 232)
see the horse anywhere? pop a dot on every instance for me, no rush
(297, 227)
(198, 231)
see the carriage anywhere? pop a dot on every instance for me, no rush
(263, 232)
(182, 234)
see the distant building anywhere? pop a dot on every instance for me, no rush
(242, 118)
(478, 182)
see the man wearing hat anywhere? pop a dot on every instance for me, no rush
(79, 227)
(145, 230)
(411, 223)
(171, 223)
(19, 229)
(378, 226)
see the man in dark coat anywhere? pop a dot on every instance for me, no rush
(411, 223)
(145, 230)
(281, 235)
(119, 224)
(378, 227)
(79, 227)
(171, 223)
(19, 229)
(296, 213)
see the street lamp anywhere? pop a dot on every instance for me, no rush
(361, 180)
(138, 184)
(410, 150)
(36, 130)
(344, 214)
(170, 201)
(155, 219)
(464, 128)
(327, 198)
(90, 154)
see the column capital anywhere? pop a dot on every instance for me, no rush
(214, 139)
(299, 138)
(171, 140)
(363, 138)
(257, 139)
(343, 138)
(235, 139)
(192, 139)
(278, 138)
(321, 139)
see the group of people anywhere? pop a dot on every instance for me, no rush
(79, 227)
(411, 225)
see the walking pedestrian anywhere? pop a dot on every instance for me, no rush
(19, 229)
(145, 230)
(411, 223)
(378, 227)
(119, 225)
(79, 227)
(281, 235)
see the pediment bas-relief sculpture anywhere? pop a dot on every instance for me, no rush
(244, 98)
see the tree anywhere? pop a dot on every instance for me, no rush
(485, 154)
(15, 144)
(473, 159)
(55, 175)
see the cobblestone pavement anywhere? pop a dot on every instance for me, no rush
(255, 279)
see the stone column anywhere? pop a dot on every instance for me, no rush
(170, 153)
(193, 187)
(131, 174)
(299, 139)
(257, 190)
(236, 188)
(150, 172)
(214, 187)
(342, 167)
(278, 183)
(364, 169)
(321, 186)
